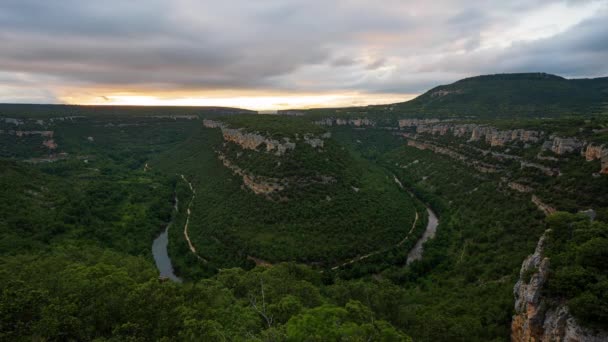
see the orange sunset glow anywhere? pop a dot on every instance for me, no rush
(255, 102)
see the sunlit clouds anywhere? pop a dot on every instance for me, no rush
(278, 54)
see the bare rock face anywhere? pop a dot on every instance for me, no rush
(600, 152)
(253, 140)
(358, 122)
(415, 122)
(257, 184)
(566, 145)
(492, 136)
(538, 319)
(212, 124)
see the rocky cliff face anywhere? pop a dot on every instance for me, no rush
(478, 165)
(566, 145)
(540, 319)
(257, 184)
(47, 136)
(495, 137)
(358, 122)
(270, 187)
(475, 132)
(594, 152)
(253, 140)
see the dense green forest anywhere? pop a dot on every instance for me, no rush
(501, 96)
(361, 211)
(578, 250)
(325, 257)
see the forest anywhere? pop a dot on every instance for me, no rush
(76, 234)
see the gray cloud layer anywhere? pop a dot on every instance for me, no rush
(291, 45)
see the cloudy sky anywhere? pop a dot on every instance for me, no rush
(273, 54)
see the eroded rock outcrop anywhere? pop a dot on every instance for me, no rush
(595, 152)
(562, 146)
(475, 132)
(541, 319)
(357, 122)
(478, 165)
(257, 184)
(47, 136)
(253, 140)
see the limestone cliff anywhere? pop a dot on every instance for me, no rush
(476, 132)
(258, 184)
(357, 122)
(541, 319)
(268, 186)
(478, 165)
(594, 152)
(254, 140)
(47, 136)
(566, 145)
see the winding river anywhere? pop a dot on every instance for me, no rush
(161, 254)
(429, 233)
(163, 262)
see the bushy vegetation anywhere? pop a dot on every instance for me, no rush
(118, 211)
(95, 294)
(75, 261)
(273, 125)
(578, 253)
(502, 96)
(323, 223)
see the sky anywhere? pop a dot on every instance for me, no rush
(279, 54)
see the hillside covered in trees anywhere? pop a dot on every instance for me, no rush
(501, 96)
(301, 228)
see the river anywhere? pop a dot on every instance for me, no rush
(161, 254)
(429, 233)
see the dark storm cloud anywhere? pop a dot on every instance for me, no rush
(395, 46)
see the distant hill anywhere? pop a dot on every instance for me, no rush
(522, 95)
(51, 110)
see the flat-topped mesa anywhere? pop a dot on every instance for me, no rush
(253, 140)
(595, 152)
(357, 122)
